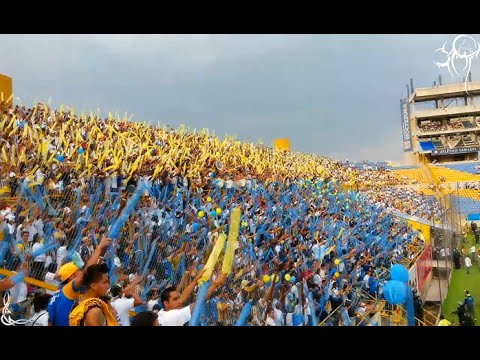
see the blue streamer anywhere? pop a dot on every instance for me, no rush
(242, 318)
(314, 320)
(409, 307)
(149, 259)
(199, 304)
(44, 249)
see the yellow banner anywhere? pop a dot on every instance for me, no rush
(6, 89)
(281, 144)
(424, 228)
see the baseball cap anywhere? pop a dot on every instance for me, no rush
(66, 271)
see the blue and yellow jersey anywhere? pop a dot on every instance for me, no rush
(61, 304)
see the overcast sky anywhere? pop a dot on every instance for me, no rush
(333, 95)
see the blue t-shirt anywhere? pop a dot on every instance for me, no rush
(61, 304)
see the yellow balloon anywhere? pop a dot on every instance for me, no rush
(209, 199)
(266, 278)
(337, 274)
(274, 277)
(287, 277)
(337, 261)
(201, 214)
(244, 223)
(218, 211)
(20, 247)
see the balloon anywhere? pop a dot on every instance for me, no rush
(213, 213)
(274, 277)
(399, 272)
(266, 278)
(201, 214)
(337, 261)
(195, 227)
(244, 223)
(80, 151)
(395, 292)
(337, 274)
(287, 277)
(212, 174)
(219, 211)
(209, 199)
(292, 279)
(60, 157)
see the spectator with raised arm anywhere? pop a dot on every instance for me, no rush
(173, 312)
(72, 279)
(92, 310)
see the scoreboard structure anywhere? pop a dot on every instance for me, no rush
(442, 123)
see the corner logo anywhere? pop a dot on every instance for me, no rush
(464, 49)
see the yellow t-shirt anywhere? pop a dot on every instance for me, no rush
(444, 322)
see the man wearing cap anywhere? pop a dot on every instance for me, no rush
(71, 280)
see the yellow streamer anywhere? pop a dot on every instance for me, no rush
(234, 227)
(212, 259)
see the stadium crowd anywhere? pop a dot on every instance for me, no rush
(315, 242)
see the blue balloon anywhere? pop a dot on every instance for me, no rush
(60, 157)
(292, 279)
(399, 272)
(395, 292)
(213, 213)
(212, 174)
(195, 227)
(80, 151)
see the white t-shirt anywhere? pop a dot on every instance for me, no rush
(61, 253)
(39, 319)
(468, 262)
(279, 320)
(270, 322)
(123, 306)
(50, 279)
(151, 303)
(18, 293)
(176, 317)
(40, 258)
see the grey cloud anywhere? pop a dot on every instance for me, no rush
(335, 95)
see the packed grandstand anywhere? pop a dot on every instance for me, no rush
(256, 236)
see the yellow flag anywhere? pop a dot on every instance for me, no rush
(157, 171)
(13, 162)
(4, 155)
(45, 149)
(13, 132)
(23, 157)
